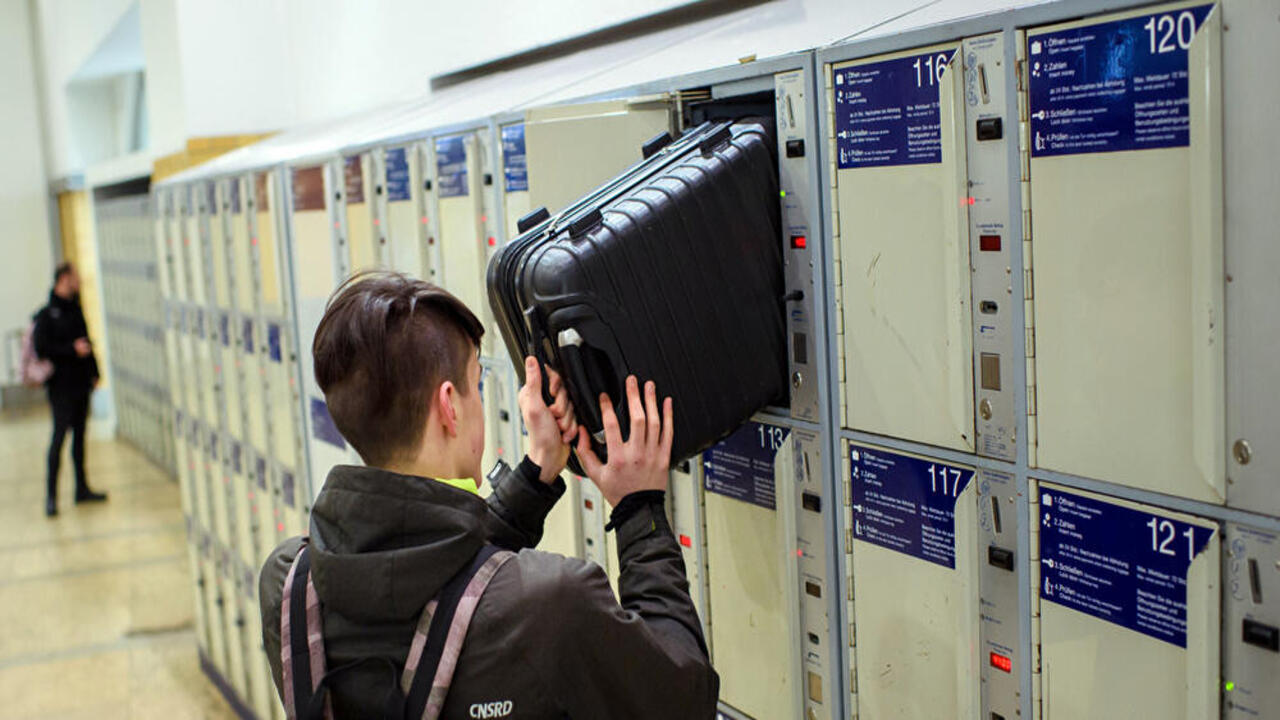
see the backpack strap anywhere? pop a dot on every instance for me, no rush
(302, 643)
(442, 628)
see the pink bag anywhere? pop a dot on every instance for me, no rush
(35, 370)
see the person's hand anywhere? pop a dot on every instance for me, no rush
(640, 463)
(82, 347)
(551, 428)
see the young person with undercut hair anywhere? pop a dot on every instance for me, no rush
(415, 597)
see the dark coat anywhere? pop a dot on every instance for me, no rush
(548, 634)
(58, 325)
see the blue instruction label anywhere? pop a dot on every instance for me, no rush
(398, 182)
(514, 168)
(451, 166)
(1119, 85)
(260, 471)
(322, 425)
(741, 465)
(237, 462)
(1118, 564)
(246, 335)
(905, 503)
(287, 487)
(233, 195)
(273, 342)
(224, 329)
(887, 113)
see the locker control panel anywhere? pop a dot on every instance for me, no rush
(797, 193)
(1001, 661)
(811, 552)
(989, 241)
(1250, 622)
(429, 213)
(689, 526)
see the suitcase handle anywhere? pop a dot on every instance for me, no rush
(590, 370)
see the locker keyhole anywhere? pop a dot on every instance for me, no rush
(1255, 582)
(995, 514)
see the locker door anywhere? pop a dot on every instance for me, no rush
(1251, 622)
(515, 178)
(233, 620)
(208, 579)
(572, 149)
(1126, 248)
(260, 689)
(315, 259)
(362, 242)
(458, 191)
(902, 244)
(264, 238)
(687, 522)
(502, 418)
(401, 185)
(1128, 597)
(751, 574)
(915, 585)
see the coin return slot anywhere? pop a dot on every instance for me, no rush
(988, 307)
(990, 370)
(1000, 557)
(813, 589)
(1261, 635)
(811, 502)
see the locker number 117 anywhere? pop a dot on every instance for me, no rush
(944, 480)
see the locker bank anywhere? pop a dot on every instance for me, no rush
(1021, 465)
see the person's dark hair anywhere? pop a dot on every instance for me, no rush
(63, 269)
(385, 344)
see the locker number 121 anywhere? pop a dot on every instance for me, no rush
(1163, 534)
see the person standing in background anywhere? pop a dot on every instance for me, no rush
(61, 337)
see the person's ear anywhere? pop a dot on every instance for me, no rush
(445, 398)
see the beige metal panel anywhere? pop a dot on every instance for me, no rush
(573, 149)
(217, 248)
(403, 218)
(1128, 301)
(216, 621)
(754, 608)
(360, 236)
(313, 254)
(197, 591)
(904, 286)
(917, 625)
(261, 690)
(242, 252)
(461, 238)
(1095, 670)
(234, 634)
(266, 241)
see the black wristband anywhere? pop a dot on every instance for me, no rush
(531, 472)
(628, 506)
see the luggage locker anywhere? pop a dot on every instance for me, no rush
(212, 263)
(753, 573)
(1128, 598)
(208, 580)
(1250, 622)
(1140, 273)
(515, 178)
(168, 268)
(261, 695)
(689, 525)
(719, 177)
(282, 397)
(232, 619)
(934, 587)
(363, 239)
(316, 260)
(397, 191)
(900, 240)
(502, 418)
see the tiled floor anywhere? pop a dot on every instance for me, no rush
(96, 605)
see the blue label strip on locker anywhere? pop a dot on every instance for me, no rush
(246, 331)
(398, 188)
(451, 166)
(741, 465)
(1119, 85)
(1118, 564)
(273, 342)
(887, 113)
(322, 425)
(515, 169)
(906, 504)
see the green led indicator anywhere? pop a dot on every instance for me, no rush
(1230, 686)
(783, 193)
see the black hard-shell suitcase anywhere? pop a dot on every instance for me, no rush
(671, 272)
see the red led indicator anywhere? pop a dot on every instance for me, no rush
(337, 224)
(377, 221)
(280, 527)
(492, 241)
(424, 219)
(1000, 662)
(254, 240)
(799, 242)
(590, 505)
(969, 201)
(686, 541)
(484, 218)
(989, 243)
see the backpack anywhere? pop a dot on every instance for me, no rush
(34, 369)
(433, 655)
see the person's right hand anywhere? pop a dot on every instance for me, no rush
(83, 348)
(640, 463)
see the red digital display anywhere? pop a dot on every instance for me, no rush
(686, 541)
(989, 243)
(799, 242)
(1001, 662)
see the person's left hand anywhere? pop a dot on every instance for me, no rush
(551, 428)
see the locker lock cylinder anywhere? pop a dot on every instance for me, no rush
(1242, 451)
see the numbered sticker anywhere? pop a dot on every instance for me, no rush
(741, 465)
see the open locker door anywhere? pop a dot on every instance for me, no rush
(1126, 249)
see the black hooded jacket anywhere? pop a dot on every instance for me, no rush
(58, 325)
(548, 634)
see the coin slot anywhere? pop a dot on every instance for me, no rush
(995, 514)
(988, 307)
(1255, 582)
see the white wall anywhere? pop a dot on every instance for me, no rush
(27, 267)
